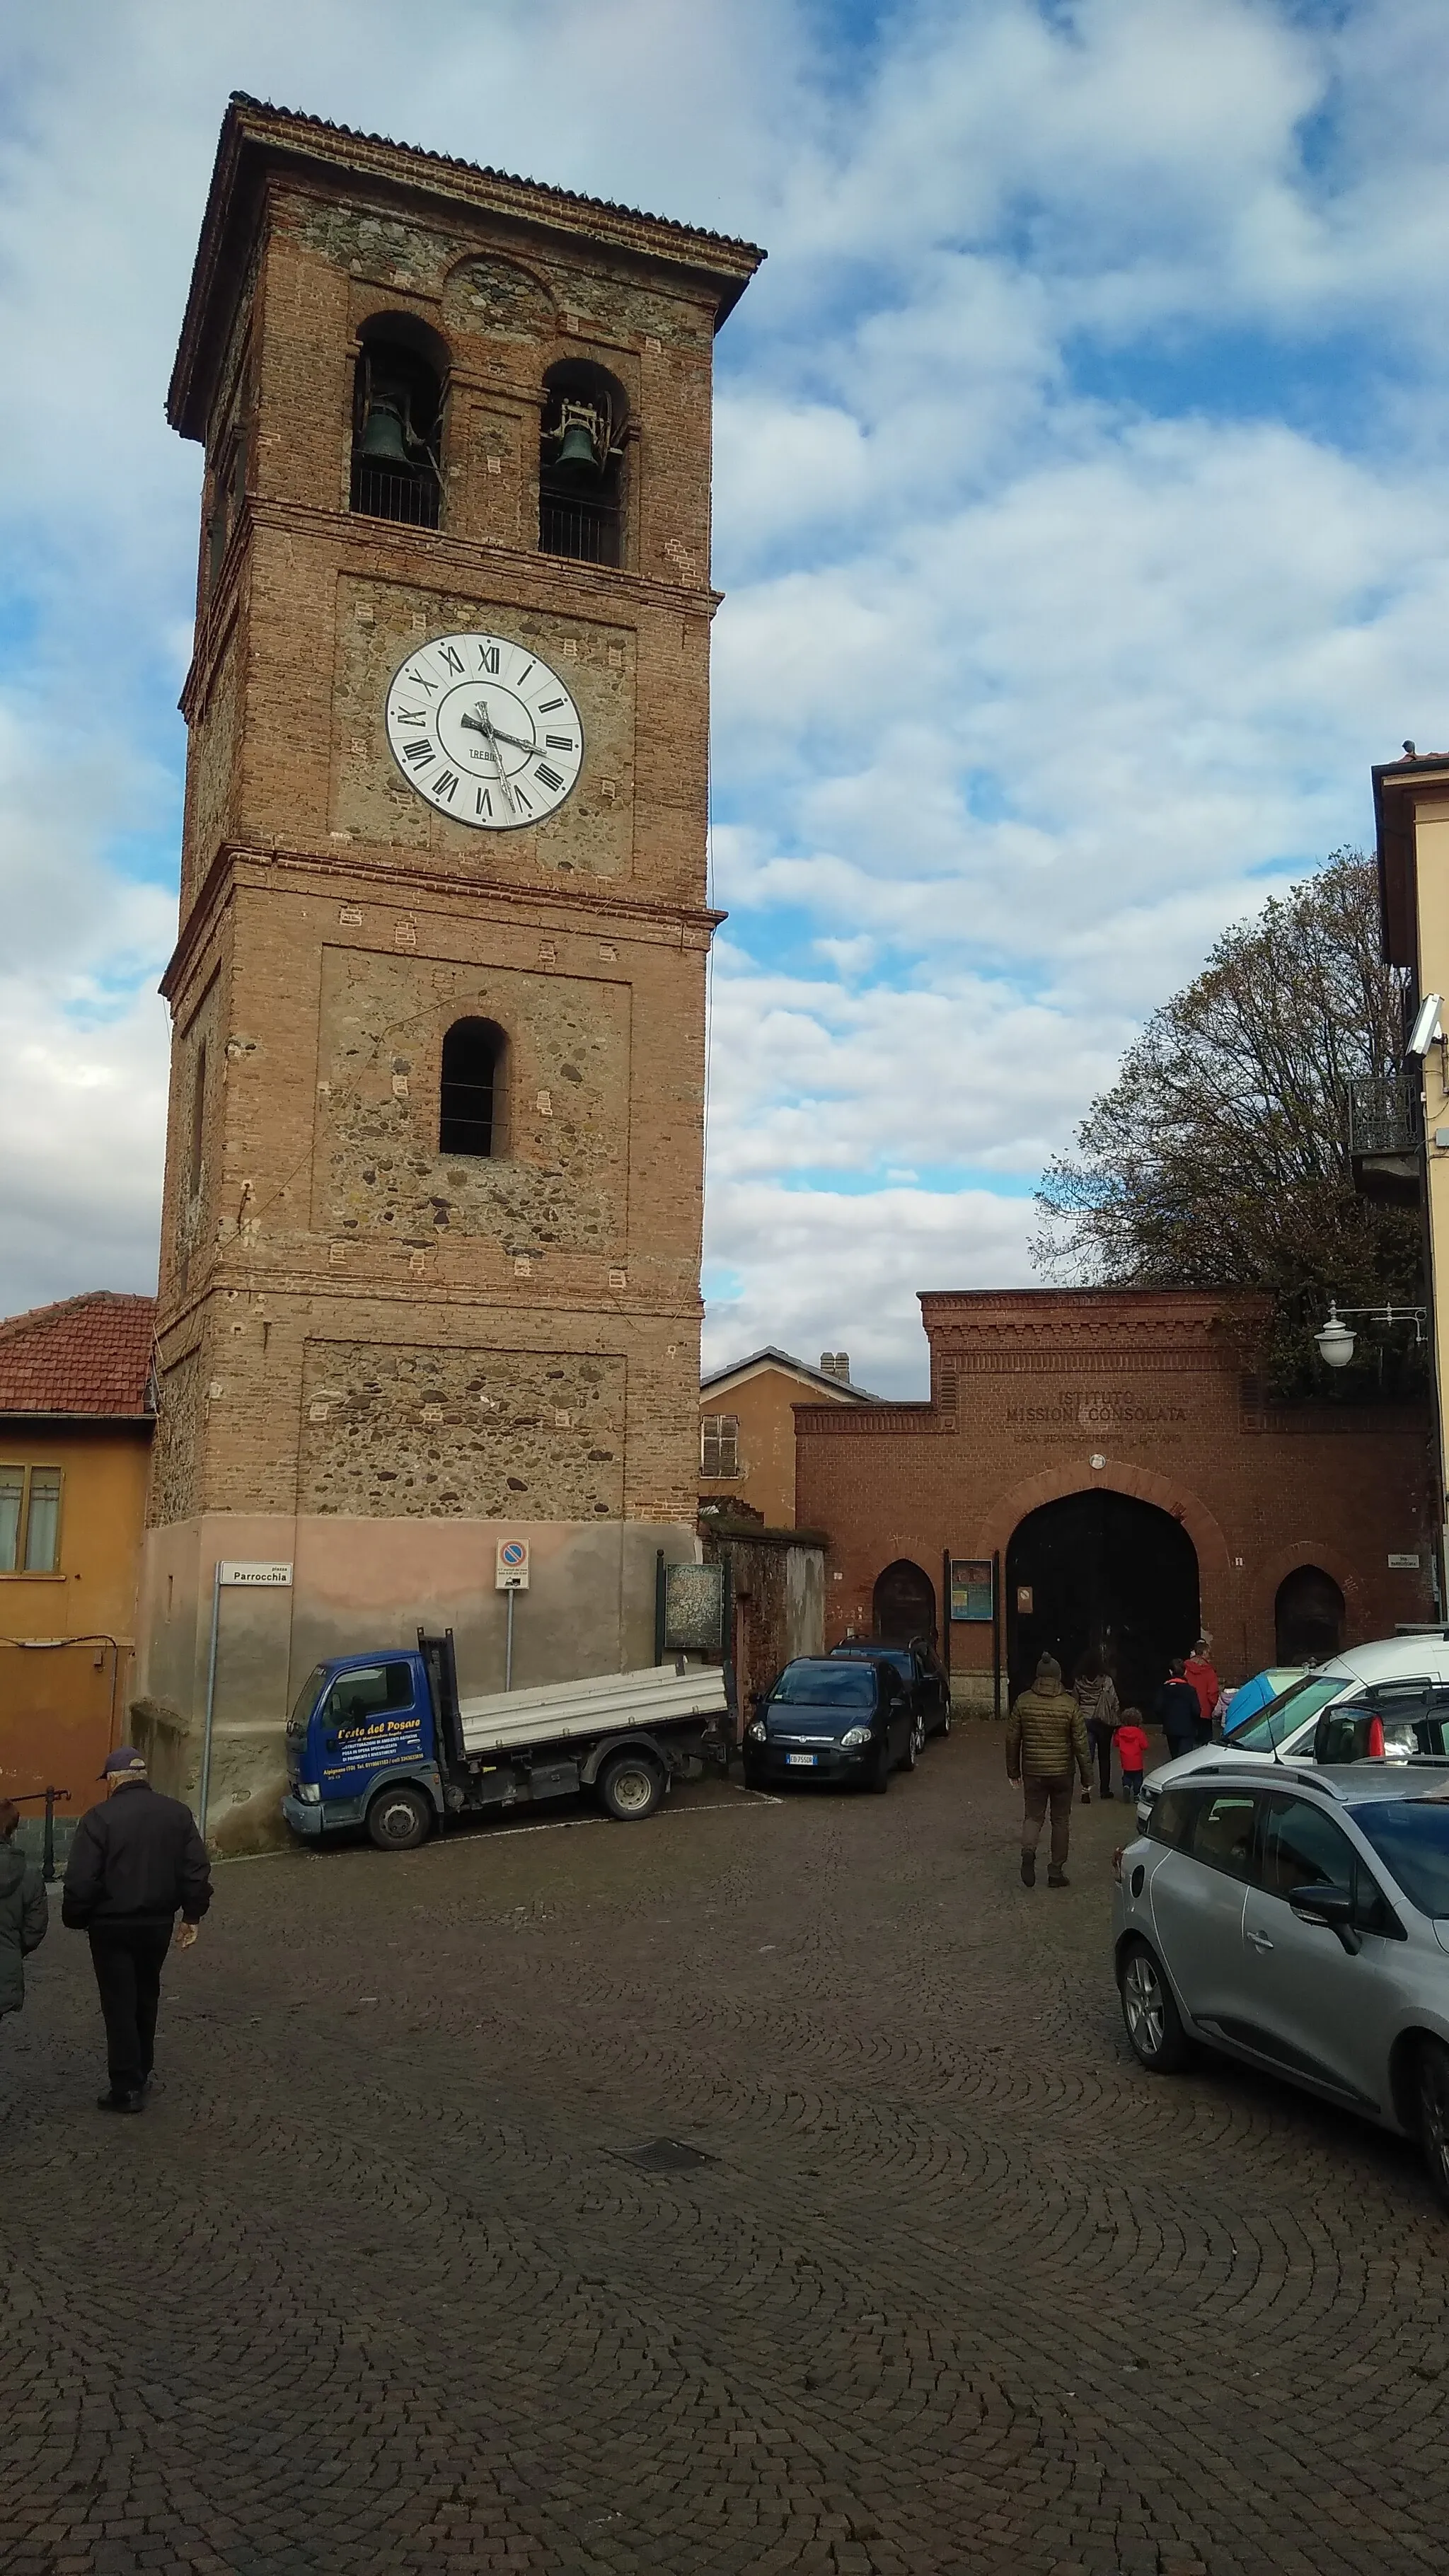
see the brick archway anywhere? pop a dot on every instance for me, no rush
(1053, 1483)
(1308, 1551)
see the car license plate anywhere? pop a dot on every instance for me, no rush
(801, 1761)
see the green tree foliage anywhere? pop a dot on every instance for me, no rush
(1220, 1157)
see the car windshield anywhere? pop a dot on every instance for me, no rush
(305, 1703)
(836, 1685)
(1291, 1709)
(1411, 1837)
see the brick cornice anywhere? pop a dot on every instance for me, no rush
(258, 140)
(423, 889)
(512, 576)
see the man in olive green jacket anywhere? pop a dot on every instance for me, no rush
(1047, 1736)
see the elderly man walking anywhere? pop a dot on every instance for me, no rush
(137, 1859)
(1046, 1741)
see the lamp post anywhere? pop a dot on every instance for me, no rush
(1336, 1339)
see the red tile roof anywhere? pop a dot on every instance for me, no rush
(89, 1354)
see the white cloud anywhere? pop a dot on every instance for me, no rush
(1081, 492)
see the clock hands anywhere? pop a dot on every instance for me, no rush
(482, 722)
(496, 732)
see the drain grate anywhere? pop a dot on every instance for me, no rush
(667, 2155)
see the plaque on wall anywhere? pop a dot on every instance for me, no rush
(971, 1588)
(693, 1609)
(1023, 1600)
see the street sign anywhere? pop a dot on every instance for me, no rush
(253, 1578)
(511, 1574)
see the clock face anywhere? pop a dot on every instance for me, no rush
(484, 730)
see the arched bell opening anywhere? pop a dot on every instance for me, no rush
(397, 421)
(903, 1605)
(1308, 1615)
(581, 463)
(1103, 1578)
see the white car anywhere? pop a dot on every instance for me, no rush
(1403, 1681)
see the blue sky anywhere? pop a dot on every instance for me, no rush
(1081, 502)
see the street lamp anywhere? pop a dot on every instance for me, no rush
(1336, 1339)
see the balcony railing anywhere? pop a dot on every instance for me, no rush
(1385, 1137)
(410, 499)
(586, 531)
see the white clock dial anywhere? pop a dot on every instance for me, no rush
(484, 730)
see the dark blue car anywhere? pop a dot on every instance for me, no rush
(833, 1717)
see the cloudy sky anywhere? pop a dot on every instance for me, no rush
(1082, 499)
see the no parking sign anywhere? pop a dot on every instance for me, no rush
(512, 1567)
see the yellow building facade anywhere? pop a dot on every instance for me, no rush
(75, 1441)
(747, 1428)
(1411, 808)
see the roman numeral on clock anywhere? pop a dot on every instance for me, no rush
(546, 705)
(559, 741)
(419, 752)
(452, 659)
(419, 682)
(412, 715)
(546, 777)
(446, 784)
(485, 800)
(487, 659)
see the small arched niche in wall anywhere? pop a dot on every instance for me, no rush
(581, 495)
(398, 392)
(473, 1095)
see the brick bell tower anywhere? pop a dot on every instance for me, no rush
(431, 1233)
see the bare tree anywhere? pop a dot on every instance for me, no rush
(1220, 1157)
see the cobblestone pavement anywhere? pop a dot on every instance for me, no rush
(375, 2284)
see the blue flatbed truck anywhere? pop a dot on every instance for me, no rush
(382, 1742)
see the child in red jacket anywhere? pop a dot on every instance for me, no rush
(1131, 1741)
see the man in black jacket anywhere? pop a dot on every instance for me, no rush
(135, 1860)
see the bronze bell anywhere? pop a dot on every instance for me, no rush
(383, 442)
(577, 453)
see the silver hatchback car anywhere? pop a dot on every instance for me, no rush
(1299, 1922)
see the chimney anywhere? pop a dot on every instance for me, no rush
(836, 1364)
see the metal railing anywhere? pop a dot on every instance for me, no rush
(409, 499)
(1385, 1115)
(586, 531)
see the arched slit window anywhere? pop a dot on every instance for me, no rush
(397, 421)
(472, 1105)
(581, 464)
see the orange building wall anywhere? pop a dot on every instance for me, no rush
(62, 1707)
(764, 1406)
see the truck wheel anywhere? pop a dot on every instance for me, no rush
(630, 1787)
(399, 1819)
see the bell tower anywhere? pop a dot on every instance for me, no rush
(430, 1242)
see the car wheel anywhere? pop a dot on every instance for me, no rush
(1154, 2024)
(399, 1819)
(630, 1787)
(945, 1728)
(1434, 2115)
(915, 1744)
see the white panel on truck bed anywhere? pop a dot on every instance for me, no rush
(660, 1695)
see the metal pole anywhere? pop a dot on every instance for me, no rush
(508, 1648)
(210, 1701)
(996, 1631)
